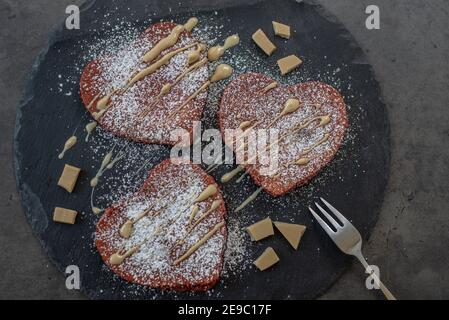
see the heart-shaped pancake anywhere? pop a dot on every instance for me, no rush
(140, 113)
(310, 136)
(174, 242)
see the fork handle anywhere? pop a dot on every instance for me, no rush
(382, 287)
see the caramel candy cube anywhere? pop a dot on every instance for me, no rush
(66, 216)
(288, 64)
(261, 39)
(261, 230)
(268, 259)
(281, 30)
(292, 232)
(69, 177)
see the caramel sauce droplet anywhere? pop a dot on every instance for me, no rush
(210, 191)
(222, 72)
(302, 161)
(165, 89)
(94, 182)
(271, 86)
(102, 104)
(245, 125)
(228, 176)
(216, 52)
(68, 145)
(126, 229)
(191, 23)
(164, 44)
(325, 120)
(195, 210)
(193, 57)
(290, 106)
(248, 200)
(118, 258)
(90, 128)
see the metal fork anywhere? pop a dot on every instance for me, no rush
(348, 239)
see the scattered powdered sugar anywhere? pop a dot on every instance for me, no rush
(236, 255)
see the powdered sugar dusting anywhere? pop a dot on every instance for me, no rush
(243, 100)
(134, 113)
(170, 189)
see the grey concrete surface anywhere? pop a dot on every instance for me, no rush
(409, 55)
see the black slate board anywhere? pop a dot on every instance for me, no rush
(355, 181)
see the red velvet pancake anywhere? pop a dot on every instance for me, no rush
(244, 100)
(170, 189)
(124, 116)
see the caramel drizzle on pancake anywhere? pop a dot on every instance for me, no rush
(168, 86)
(197, 245)
(223, 71)
(166, 43)
(157, 65)
(215, 205)
(126, 229)
(323, 120)
(170, 40)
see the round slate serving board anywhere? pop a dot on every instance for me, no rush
(354, 181)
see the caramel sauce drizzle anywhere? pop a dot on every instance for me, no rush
(245, 126)
(118, 257)
(300, 162)
(90, 127)
(69, 144)
(195, 210)
(217, 52)
(248, 200)
(230, 175)
(269, 87)
(210, 191)
(127, 228)
(107, 163)
(168, 86)
(223, 71)
(156, 66)
(196, 246)
(240, 179)
(195, 55)
(323, 120)
(290, 106)
(215, 205)
(170, 40)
